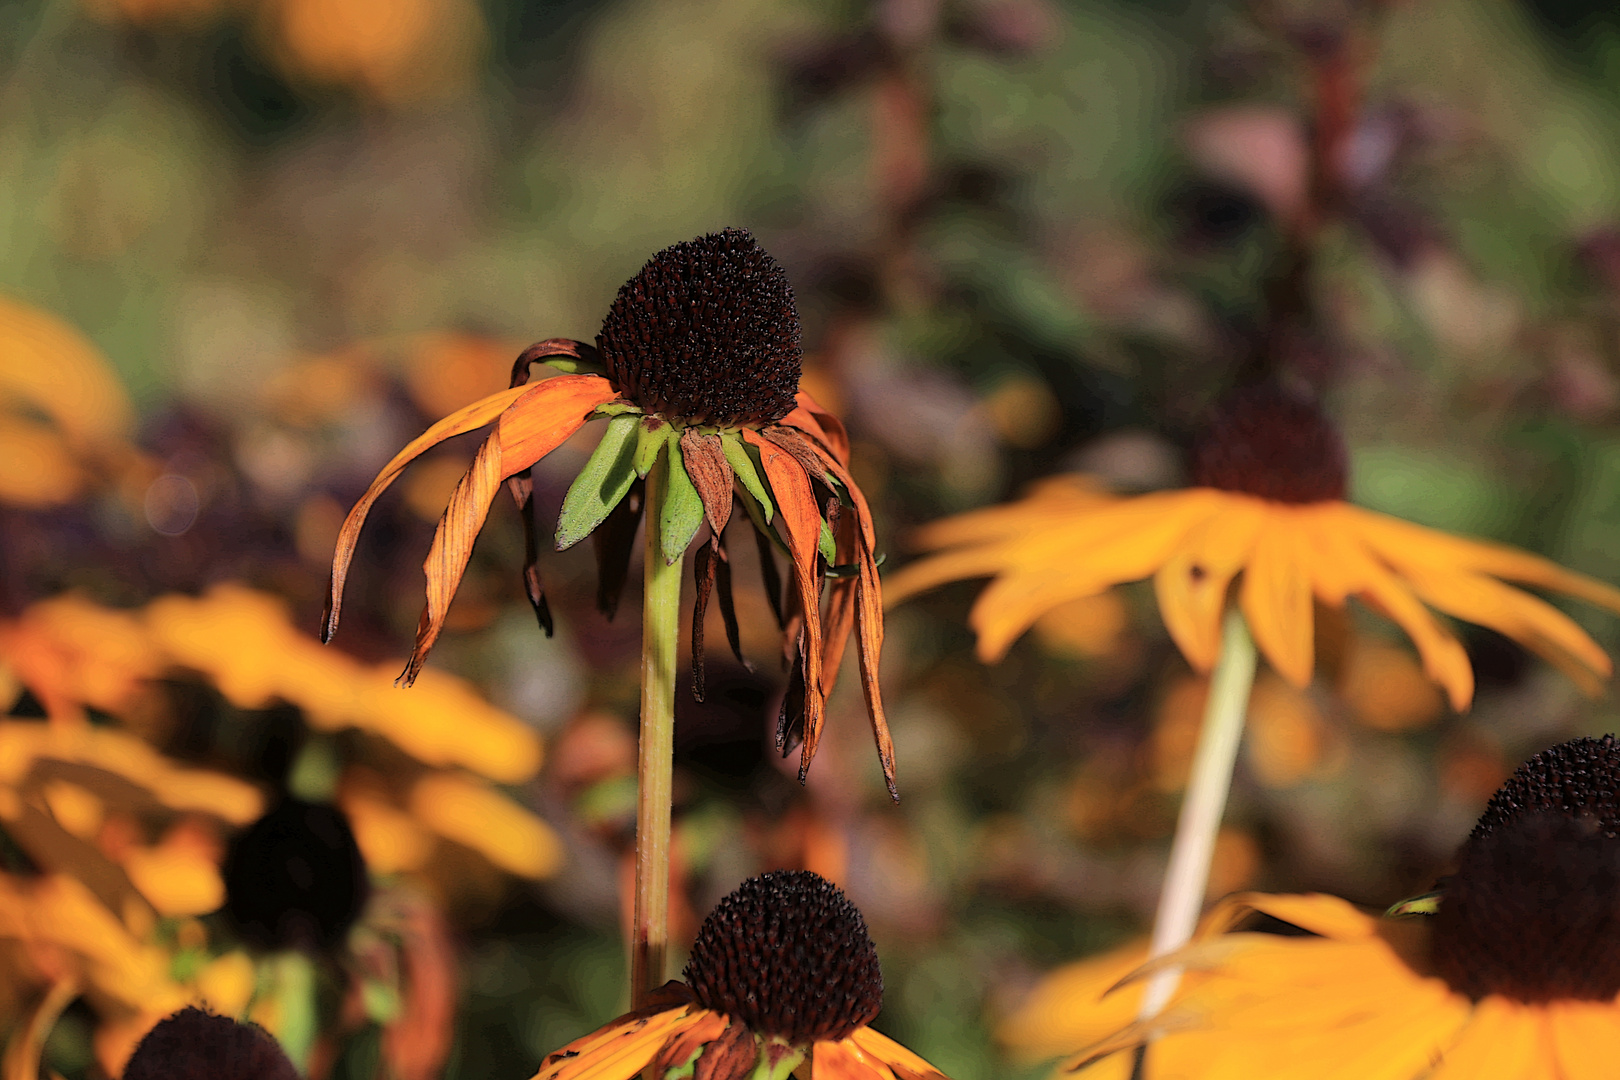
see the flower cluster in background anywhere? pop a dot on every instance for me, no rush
(249, 250)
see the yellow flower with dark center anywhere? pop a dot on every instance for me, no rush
(1516, 976)
(783, 981)
(1268, 503)
(696, 369)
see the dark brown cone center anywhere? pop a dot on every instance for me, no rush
(1267, 442)
(196, 1045)
(706, 333)
(788, 955)
(1533, 912)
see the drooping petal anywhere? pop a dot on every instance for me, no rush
(1276, 599)
(705, 569)
(770, 576)
(521, 487)
(679, 1050)
(620, 1049)
(711, 474)
(1192, 584)
(808, 416)
(868, 618)
(801, 521)
(614, 541)
(1343, 567)
(1530, 621)
(1402, 541)
(905, 1064)
(471, 418)
(452, 547)
(549, 351)
(840, 617)
(728, 607)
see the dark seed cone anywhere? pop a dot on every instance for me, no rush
(788, 955)
(706, 333)
(1268, 442)
(196, 1045)
(1533, 912)
(295, 878)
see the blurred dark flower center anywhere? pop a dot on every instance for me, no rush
(1533, 912)
(1267, 442)
(197, 1045)
(788, 955)
(706, 333)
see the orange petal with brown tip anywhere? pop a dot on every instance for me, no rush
(471, 418)
(801, 521)
(452, 547)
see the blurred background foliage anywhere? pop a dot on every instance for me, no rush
(248, 248)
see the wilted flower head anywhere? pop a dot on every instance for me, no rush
(696, 372)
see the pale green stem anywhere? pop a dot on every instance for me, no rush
(660, 630)
(1201, 809)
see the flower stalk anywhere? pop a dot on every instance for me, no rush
(660, 629)
(1202, 807)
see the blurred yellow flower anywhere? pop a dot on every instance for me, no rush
(64, 415)
(1270, 506)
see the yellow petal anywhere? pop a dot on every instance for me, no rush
(1397, 539)
(905, 1064)
(1500, 1041)
(37, 468)
(1342, 566)
(472, 417)
(461, 809)
(1584, 1036)
(1526, 619)
(1124, 542)
(225, 984)
(1276, 599)
(844, 1060)
(47, 365)
(27, 1044)
(1192, 584)
(1319, 913)
(1075, 1005)
(620, 1049)
(176, 879)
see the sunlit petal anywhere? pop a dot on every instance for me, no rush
(1276, 599)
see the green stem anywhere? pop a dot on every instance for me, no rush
(1201, 809)
(660, 631)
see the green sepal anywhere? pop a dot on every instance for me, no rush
(573, 365)
(1427, 904)
(615, 408)
(682, 512)
(742, 463)
(847, 570)
(600, 485)
(649, 442)
(826, 545)
(685, 1071)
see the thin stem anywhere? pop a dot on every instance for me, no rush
(1202, 807)
(660, 631)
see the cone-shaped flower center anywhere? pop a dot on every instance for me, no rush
(1533, 912)
(706, 333)
(196, 1045)
(788, 955)
(1268, 442)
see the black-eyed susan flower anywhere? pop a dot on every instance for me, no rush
(1271, 475)
(696, 373)
(1268, 503)
(783, 981)
(1515, 976)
